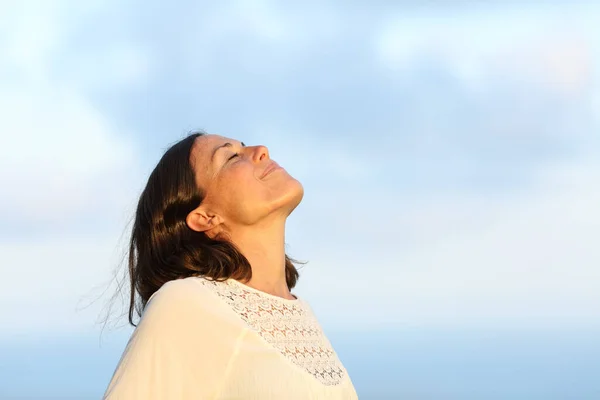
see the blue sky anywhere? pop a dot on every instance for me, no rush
(449, 152)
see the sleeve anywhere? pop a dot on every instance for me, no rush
(182, 347)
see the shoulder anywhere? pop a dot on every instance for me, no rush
(185, 301)
(181, 347)
(178, 290)
(175, 294)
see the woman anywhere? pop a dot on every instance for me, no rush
(207, 259)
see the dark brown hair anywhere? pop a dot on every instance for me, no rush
(163, 248)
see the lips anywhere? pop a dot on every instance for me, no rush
(271, 167)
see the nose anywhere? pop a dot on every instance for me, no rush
(260, 153)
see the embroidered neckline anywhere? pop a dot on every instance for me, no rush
(287, 325)
(262, 293)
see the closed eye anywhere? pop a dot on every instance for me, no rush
(233, 156)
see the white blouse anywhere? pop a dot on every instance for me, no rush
(200, 339)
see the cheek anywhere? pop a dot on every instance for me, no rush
(244, 199)
(239, 185)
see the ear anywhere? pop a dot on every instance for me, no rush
(201, 220)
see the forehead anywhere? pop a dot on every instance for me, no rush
(202, 151)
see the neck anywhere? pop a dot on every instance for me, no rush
(264, 247)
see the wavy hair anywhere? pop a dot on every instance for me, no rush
(163, 248)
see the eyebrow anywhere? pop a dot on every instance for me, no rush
(212, 158)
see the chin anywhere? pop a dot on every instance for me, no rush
(296, 196)
(293, 196)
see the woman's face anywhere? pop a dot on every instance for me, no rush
(243, 186)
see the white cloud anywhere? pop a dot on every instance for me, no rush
(118, 66)
(551, 46)
(528, 259)
(62, 165)
(29, 33)
(59, 156)
(59, 284)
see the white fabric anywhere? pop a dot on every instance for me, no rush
(199, 339)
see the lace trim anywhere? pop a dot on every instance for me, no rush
(287, 325)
